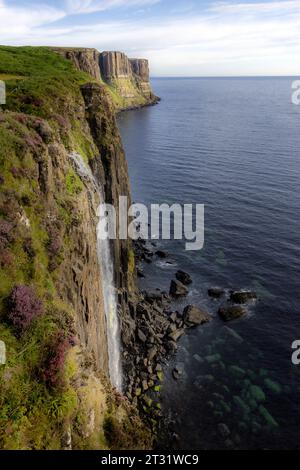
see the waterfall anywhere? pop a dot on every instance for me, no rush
(109, 293)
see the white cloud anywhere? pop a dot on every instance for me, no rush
(16, 21)
(274, 7)
(225, 40)
(91, 6)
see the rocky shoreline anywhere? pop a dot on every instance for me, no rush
(159, 326)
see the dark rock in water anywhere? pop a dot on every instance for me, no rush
(177, 289)
(216, 292)
(242, 297)
(195, 316)
(153, 296)
(177, 373)
(162, 254)
(232, 313)
(140, 274)
(183, 277)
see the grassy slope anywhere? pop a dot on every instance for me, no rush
(43, 91)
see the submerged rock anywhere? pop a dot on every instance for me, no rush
(232, 312)
(198, 358)
(273, 386)
(213, 358)
(183, 277)
(177, 372)
(177, 289)
(224, 430)
(268, 417)
(216, 292)
(237, 371)
(242, 297)
(162, 254)
(233, 334)
(195, 316)
(241, 404)
(257, 393)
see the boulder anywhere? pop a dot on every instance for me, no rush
(177, 373)
(232, 312)
(175, 335)
(216, 292)
(183, 277)
(152, 353)
(195, 316)
(242, 297)
(172, 347)
(142, 337)
(153, 296)
(145, 385)
(177, 289)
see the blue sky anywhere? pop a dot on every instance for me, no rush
(180, 37)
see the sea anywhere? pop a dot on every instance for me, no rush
(232, 144)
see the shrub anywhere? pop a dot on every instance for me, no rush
(21, 118)
(61, 121)
(28, 248)
(23, 307)
(6, 258)
(6, 233)
(52, 367)
(33, 141)
(54, 247)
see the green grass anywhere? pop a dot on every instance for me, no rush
(41, 87)
(43, 120)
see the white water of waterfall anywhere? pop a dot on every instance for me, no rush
(107, 270)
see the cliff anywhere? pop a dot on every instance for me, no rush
(60, 154)
(128, 80)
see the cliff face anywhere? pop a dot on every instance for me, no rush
(140, 69)
(54, 389)
(84, 59)
(129, 76)
(114, 65)
(128, 79)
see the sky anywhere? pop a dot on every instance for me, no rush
(179, 37)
